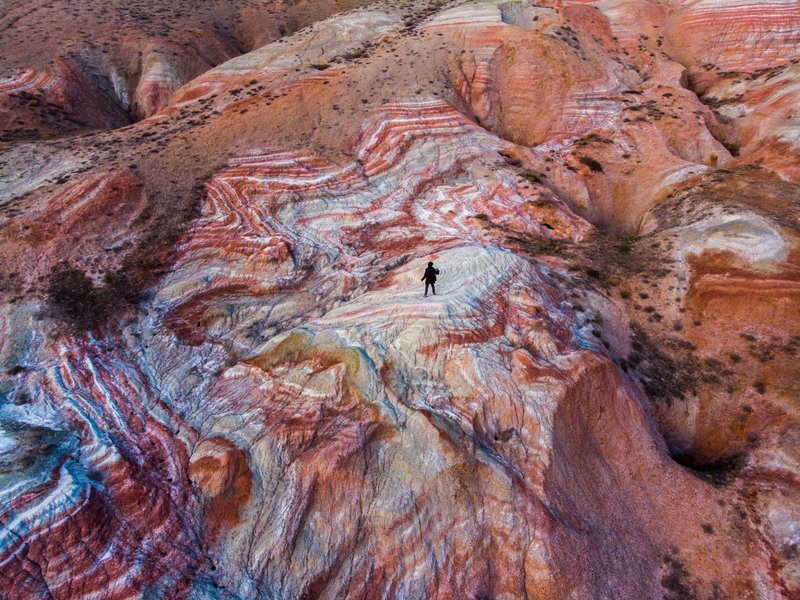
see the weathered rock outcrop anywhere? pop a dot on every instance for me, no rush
(68, 67)
(220, 378)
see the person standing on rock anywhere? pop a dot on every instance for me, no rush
(430, 278)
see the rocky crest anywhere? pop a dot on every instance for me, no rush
(219, 376)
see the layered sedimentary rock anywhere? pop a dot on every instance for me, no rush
(733, 35)
(120, 61)
(221, 380)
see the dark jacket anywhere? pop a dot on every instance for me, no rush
(430, 275)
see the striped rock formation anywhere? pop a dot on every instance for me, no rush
(121, 61)
(220, 378)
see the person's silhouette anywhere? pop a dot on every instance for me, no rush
(430, 278)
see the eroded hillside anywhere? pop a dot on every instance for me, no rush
(220, 378)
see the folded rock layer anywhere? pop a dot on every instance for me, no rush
(221, 379)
